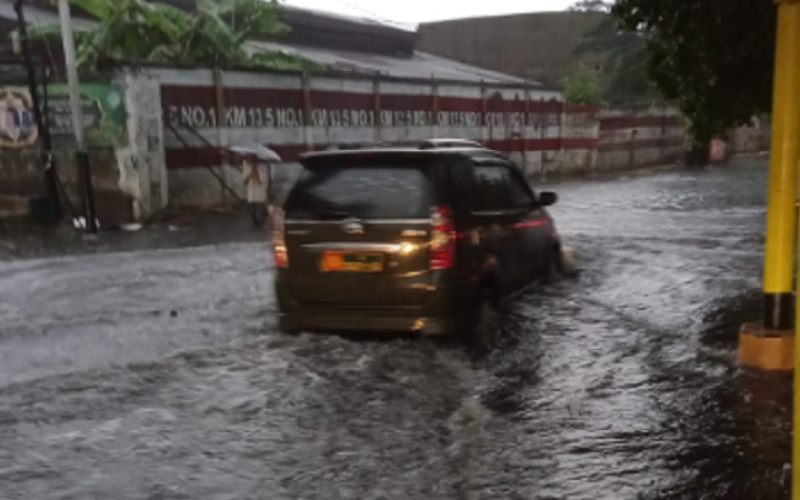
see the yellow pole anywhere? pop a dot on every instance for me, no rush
(769, 344)
(781, 214)
(782, 231)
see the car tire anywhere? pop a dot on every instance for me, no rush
(568, 264)
(284, 330)
(484, 317)
(554, 268)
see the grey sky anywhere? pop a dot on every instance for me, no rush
(411, 12)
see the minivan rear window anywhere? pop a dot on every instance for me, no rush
(383, 192)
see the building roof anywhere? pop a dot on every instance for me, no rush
(324, 29)
(341, 43)
(417, 65)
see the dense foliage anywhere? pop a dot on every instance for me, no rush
(624, 58)
(714, 58)
(591, 6)
(215, 33)
(582, 86)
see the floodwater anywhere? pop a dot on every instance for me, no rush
(159, 374)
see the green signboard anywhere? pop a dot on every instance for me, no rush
(104, 115)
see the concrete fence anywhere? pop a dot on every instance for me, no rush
(630, 137)
(294, 113)
(179, 124)
(122, 118)
(753, 137)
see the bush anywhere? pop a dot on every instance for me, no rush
(582, 86)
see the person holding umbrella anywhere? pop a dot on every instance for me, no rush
(256, 178)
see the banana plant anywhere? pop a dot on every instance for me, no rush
(214, 33)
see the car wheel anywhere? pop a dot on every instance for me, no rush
(484, 318)
(554, 270)
(568, 265)
(285, 330)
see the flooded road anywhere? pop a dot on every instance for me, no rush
(159, 374)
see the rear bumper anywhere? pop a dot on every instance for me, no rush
(364, 321)
(438, 314)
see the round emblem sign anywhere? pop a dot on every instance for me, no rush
(17, 124)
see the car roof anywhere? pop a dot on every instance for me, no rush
(469, 151)
(450, 143)
(452, 139)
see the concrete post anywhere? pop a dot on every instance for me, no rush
(141, 162)
(222, 130)
(525, 129)
(434, 107)
(484, 114)
(307, 138)
(81, 155)
(376, 91)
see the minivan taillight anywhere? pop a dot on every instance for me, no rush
(279, 239)
(443, 239)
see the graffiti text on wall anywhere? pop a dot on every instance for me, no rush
(196, 116)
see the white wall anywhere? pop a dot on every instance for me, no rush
(143, 171)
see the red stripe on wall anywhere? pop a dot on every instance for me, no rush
(505, 105)
(581, 108)
(209, 156)
(405, 102)
(547, 144)
(578, 143)
(536, 106)
(466, 104)
(179, 95)
(541, 106)
(641, 144)
(618, 122)
(341, 100)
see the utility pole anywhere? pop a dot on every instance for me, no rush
(81, 154)
(774, 343)
(44, 132)
(769, 344)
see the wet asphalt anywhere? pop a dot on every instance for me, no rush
(160, 373)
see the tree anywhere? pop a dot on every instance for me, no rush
(215, 33)
(591, 6)
(625, 61)
(714, 59)
(582, 86)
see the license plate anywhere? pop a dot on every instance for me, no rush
(351, 262)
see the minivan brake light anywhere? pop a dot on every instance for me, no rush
(443, 239)
(279, 239)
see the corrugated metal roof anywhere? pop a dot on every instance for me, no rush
(357, 19)
(420, 65)
(417, 65)
(319, 29)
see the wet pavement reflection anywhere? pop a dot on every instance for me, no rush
(159, 374)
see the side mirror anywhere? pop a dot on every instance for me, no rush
(547, 198)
